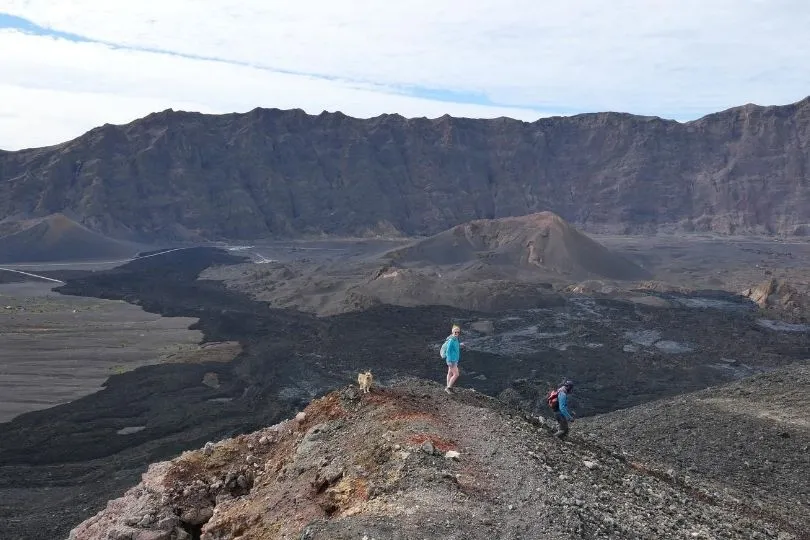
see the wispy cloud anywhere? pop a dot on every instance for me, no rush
(521, 58)
(61, 89)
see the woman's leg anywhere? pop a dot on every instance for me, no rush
(453, 375)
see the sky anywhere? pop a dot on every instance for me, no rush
(67, 66)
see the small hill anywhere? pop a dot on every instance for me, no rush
(410, 462)
(542, 241)
(58, 238)
(751, 436)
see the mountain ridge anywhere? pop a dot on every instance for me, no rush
(339, 114)
(407, 461)
(276, 173)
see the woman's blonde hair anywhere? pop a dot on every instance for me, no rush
(455, 327)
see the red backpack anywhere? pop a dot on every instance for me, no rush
(552, 399)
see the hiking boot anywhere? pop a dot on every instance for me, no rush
(448, 390)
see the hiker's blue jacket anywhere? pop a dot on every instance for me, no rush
(562, 400)
(453, 352)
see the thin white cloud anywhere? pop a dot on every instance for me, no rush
(54, 90)
(674, 58)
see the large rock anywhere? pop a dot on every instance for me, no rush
(187, 175)
(138, 514)
(780, 296)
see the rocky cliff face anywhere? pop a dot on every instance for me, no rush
(273, 172)
(791, 300)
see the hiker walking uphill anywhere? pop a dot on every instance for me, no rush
(451, 353)
(558, 401)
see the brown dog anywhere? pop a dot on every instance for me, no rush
(365, 380)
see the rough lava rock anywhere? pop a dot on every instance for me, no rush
(358, 466)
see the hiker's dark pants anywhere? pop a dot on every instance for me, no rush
(562, 431)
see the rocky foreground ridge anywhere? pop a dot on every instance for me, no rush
(270, 172)
(409, 461)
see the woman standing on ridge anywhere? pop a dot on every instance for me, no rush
(451, 352)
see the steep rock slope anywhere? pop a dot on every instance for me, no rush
(409, 461)
(752, 435)
(272, 172)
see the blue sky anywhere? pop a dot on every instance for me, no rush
(81, 63)
(13, 22)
